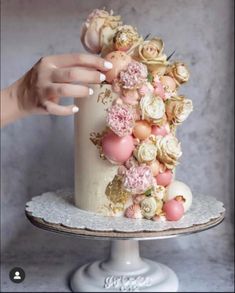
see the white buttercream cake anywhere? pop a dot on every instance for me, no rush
(126, 149)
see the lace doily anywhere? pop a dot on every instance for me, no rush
(58, 208)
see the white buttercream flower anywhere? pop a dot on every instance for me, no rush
(153, 108)
(148, 207)
(178, 109)
(168, 150)
(145, 152)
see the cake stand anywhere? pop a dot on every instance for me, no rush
(123, 270)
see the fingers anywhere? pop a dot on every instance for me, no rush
(67, 90)
(86, 60)
(76, 74)
(59, 110)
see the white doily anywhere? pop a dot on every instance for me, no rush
(58, 208)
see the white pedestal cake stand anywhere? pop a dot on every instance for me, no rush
(123, 270)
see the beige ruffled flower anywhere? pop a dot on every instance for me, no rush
(168, 150)
(178, 109)
(153, 108)
(125, 37)
(145, 152)
(99, 29)
(159, 192)
(150, 52)
(179, 71)
(148, 207)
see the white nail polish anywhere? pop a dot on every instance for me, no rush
(108, 65)
(91, 92)
(75, 109)
(102, 77)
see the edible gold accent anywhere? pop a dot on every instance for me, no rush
(115, 192)
(105, 97)
(95, 138)
(180, 198)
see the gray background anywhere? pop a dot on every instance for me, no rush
(37, 152)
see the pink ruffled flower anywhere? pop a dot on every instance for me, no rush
(134, 76)
(138, 179)
(133, 212)
(120, 119)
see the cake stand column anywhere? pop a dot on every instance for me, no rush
(124, 271)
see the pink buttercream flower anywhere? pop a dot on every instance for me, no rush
(138, 179)
(134, 76)
(120, 119)
(133, 212)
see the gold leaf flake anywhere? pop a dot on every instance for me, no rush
(115, 192)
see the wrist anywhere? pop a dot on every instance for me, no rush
(10, 107)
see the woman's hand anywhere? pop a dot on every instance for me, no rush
(40, 89)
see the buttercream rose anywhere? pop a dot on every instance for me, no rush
(145, 152)
(168, 150)
(178, 109)
(148, 207)
(125, 37)
(150, 52)
(153, 108)
(179, 72)
(99, 29)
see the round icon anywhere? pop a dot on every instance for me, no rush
(17, 275)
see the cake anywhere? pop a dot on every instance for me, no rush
(126, 147)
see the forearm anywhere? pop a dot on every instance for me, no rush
(10, 110)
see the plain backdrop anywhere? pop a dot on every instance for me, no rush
(37, 152)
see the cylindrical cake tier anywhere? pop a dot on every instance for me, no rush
(92, 173)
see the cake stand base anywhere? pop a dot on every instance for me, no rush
(124, 271)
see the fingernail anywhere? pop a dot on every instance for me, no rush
(102, 77)
(108, 65)
(75, 109)
(91, 92)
